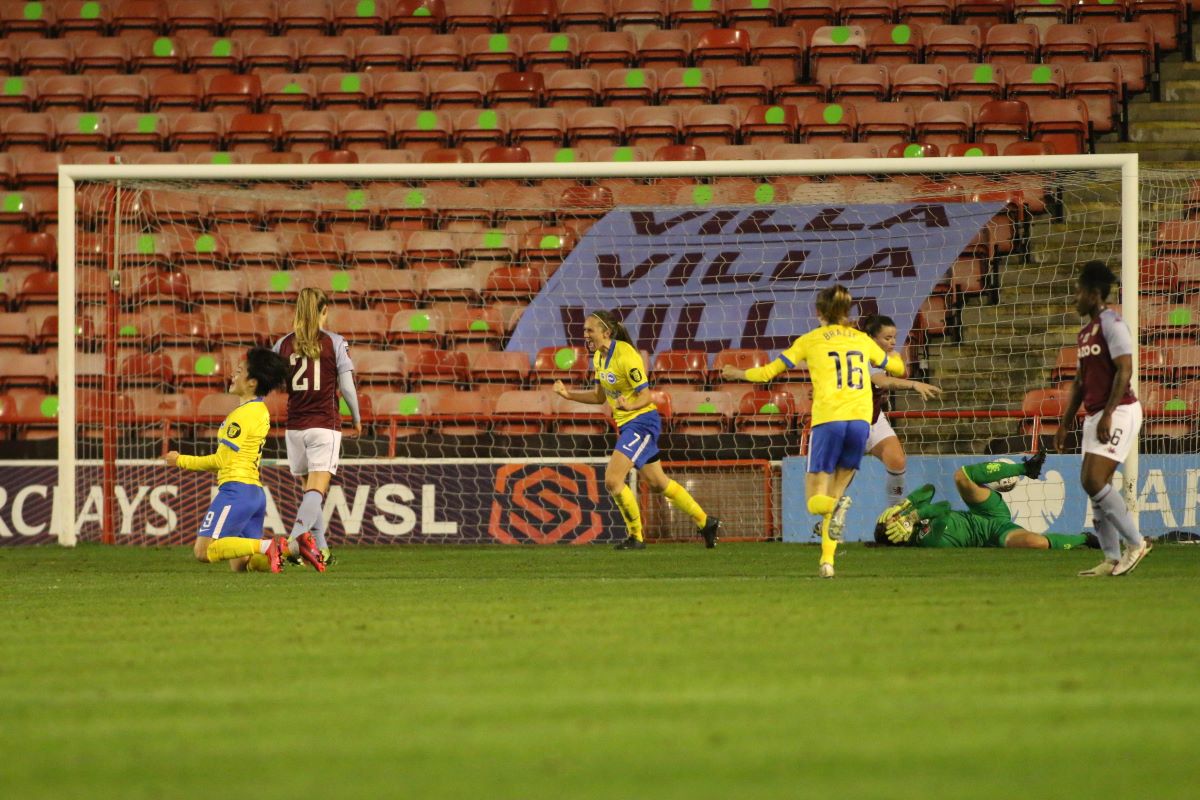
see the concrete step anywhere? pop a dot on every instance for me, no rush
(1181, 92)
(1157, 112)
(1154, 152)
(1180, 71)
(1166, 131)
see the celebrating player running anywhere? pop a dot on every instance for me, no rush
(837, 356)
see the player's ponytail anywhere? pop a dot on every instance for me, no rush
(833, 305)
(310, 304)
(614, 326)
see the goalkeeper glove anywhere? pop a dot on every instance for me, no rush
(1033, 466)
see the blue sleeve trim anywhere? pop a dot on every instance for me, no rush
(883, 364)
(643, 386)
(230, 445)
(786, 361)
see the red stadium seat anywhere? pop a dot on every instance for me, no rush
(653, 126)
(1002, 122)
(885, 123)
(1069, 44)
(1011, 44)
(546, 52)
(976, 84)
(267, 55)
(438, 53)
(64, 93)
(944, 123)
(459, 88)
(106, 56)
(585, 16)
(767, 124)
(213, 55)
(416, 15)
(305, 17)
(711, 125)
(592, 125)
(895, 45)
(288, 91)
(608, 50)
(492, 53)
(630, 88)
(822, 122)
(520, 89)
(953, 44)
(1036, 80)
(782, 51)
(1101, 88)
(721, 47)
(472, 16)
(573, 88)
(356, 19)
(1061, 123)
(1130, 45)
(662, 49)
(690, 86)
(916, 81)
(535, 15)
(383, 53)
(352, 90)
(860, 81)
(255, 132)
(245, 19)
(831, 48)
(401, 90)
(140, 132)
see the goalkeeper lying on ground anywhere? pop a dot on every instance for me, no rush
(987, 522)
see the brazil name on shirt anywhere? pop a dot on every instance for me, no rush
(239, 446)
(838, 359)
(620, 372)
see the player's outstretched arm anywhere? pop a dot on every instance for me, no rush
(593, 397)
(927, 390)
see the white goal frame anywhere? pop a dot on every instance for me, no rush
(64, 521)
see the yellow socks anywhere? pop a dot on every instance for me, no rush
(232, 547)
(627, 504)
(822, 505)
(258, 563)
(679, 497)
(828, 546)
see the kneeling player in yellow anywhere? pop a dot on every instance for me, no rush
(837, 356)
(233, 526)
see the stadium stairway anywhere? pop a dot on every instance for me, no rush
(1163, 125)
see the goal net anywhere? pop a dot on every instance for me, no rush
(463, 290)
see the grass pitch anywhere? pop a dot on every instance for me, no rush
(582, 672)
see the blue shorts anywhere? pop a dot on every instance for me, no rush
(638, 438)
(837, 445)
(237, 510)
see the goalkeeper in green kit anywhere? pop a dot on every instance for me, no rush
(987, 522)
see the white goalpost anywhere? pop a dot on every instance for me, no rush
(973, 256)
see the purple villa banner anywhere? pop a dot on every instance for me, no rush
(745, 277)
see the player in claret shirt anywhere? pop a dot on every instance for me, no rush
(1113, 419)
(621, 381)
(319, 368)
(232, 529)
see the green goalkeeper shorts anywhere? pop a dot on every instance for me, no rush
(985, 524)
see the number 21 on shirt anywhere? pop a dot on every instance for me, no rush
(299, 381)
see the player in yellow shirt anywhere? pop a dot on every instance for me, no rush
(233, 526)
(837, 355)
(621, 381)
